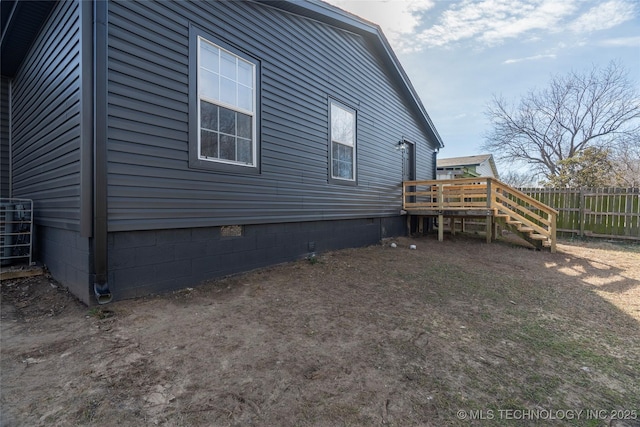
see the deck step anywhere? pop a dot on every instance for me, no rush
(523, 229)
(514, 222)
(536, 236)
(502, 215)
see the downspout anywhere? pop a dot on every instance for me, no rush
(10, 112)
(100, 249)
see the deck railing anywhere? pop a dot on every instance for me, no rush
(477, 194)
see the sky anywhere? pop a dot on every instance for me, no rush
(458, 54)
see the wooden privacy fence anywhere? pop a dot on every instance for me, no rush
(593, 212)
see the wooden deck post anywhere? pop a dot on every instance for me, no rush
(489, 224)
(440, 227)
(489, 227)
(489, 194)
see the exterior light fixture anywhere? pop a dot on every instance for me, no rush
(401, 145)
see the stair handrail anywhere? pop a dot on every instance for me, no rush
(494, 201)
(550, 231)
(526, 197)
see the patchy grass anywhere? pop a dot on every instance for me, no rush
(379, 335)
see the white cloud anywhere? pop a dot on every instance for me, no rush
(604, 16)
(621, 41)
(493, 21)
(530, 58)
(483, 23)
(397, 18)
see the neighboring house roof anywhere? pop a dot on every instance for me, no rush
(467, 161)
(22, 20)
(463, 161)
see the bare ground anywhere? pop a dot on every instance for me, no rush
(372, 336)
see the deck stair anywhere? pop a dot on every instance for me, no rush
(500, 205)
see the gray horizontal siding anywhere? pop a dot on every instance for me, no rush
(484, 169)
(303, 63)
(46, 122)
(5, 175)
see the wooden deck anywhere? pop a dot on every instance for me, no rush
(486, 198)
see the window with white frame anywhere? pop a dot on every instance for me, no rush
(343, 142)
(226, 87)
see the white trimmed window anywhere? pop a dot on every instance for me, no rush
(226, 106)
(343, 142)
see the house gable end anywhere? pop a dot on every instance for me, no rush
(331, 15)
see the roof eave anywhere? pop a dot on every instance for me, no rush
(21, 24)
(329, 14)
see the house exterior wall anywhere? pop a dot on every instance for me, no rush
(5, 164)
(45, 146)
(484, 169)
(46, 122)
(151, 261)
(303, 64)
(164, 217)
(67, 256)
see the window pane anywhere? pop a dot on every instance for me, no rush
(227, 147)
(209, 85)
(342, 163)
(335, 170)
(244, 126)
(208, 115)
(208, 144)
(245, 98)
(228, 91)
(349, 154)
(244, 150)
(348, 131)
(342, 125)
(335, 123)
(245, 73)
(227, 121)
(345, 170)
(209, 56)
(228, 65)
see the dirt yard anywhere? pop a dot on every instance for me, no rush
(453, 333)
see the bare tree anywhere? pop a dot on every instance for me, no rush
(517, 179)
(574, 112)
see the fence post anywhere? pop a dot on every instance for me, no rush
(628, 219)
(581, 211)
